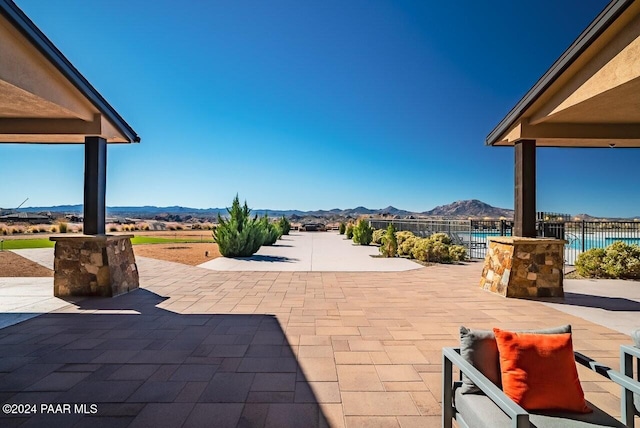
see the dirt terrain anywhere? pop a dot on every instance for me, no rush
(13, 265)
(188, 254)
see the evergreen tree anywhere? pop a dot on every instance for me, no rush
(240, 235)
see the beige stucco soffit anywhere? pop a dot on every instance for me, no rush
(615, 65)
(51, 126)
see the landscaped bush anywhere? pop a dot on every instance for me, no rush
(113, 229)
(402, 235)
(389, 247)
(240, 235)
(342, 228)
(285, 225)
(17, 230)
(377, 236)
(618, 260)
(179, 227)
(406, 247)
(63, 227)
(457, 253)
(362, 233)
(422, 249)
(271, 231)
(42, 229)
(53, 229)
(349, 231)
(438, 249)
(4, 231)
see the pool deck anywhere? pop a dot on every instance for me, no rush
(275, 349)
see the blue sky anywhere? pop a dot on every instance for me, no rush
(316, 105)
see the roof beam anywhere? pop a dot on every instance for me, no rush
(592, 131)
(51, 126)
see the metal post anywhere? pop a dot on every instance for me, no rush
(95, 181)
(584, 226)
(525, 189)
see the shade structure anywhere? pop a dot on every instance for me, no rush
(590, 97)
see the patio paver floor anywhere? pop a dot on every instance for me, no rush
(268, 348)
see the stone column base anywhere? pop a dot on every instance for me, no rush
(524, 267)
(100, 265)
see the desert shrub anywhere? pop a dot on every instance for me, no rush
(589, 263)
(457, 253)
(349, 231)
(406, 247)
(402, 235)
(389, 247)
(342, 228)
(285, 225)
(17, 230)
(145, 227)
(179, 227)
(271, 231)
(4, 231)
(441, 237)
(53, 229)
(422, 249)
(196, 226)
(113, 229)
(362, 233)
(135, 227)
(63, 227)
(377, 236)
(171, 227)
(240, 235)
(80, 229)
(622, 260)
(42, 229)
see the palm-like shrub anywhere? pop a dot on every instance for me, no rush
(240, 235)
(285, 225)
(349, 231)
(342, 228)
(63, 227)
(362, 233)
(389, 247)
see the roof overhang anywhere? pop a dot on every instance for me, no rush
(43, 97)
(590, 95)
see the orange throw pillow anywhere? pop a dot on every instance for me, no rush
(539, 371)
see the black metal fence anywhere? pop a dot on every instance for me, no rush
(475, 234)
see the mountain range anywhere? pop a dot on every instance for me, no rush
(467, 208)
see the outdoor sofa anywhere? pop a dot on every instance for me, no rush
(490, 407)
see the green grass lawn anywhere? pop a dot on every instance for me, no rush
(19, 244)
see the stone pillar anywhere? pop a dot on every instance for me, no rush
(102, 265)
(524, 267)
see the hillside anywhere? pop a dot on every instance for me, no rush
(469, 208)
(460, 209)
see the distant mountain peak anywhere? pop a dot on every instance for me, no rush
(469, 208)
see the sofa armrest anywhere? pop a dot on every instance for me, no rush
(451, 357)
(626, 381)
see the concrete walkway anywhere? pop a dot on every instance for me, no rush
(24, 298)
(313, 252)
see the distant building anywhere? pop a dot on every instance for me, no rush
(25, 218)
